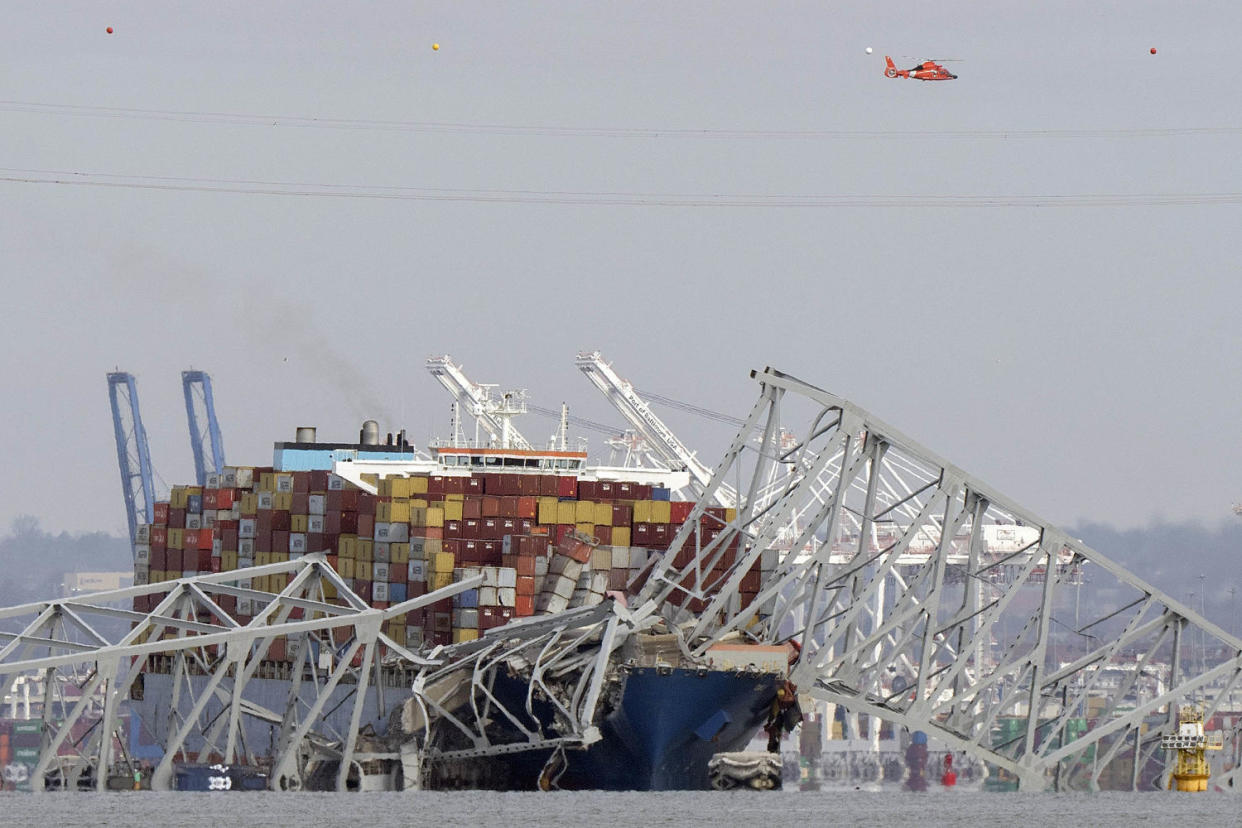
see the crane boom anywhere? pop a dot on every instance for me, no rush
(495, 416)
(137, 482)
(197, 388)
(659, 437)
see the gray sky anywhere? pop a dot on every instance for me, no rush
(1082, 359)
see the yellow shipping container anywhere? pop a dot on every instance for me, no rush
(642, 511)
(372, 479)
(177, 497)
(418, 515)
(329, 590)
(262, 558)
(548, 508)
(438, 580)
(603, 514)
(345, 566)
(418, 503)
(435, 516)
(661, 511)
(347, 547)
(228, 560)
(400, 552)
(297, 523)
(365, 550)
(567, 511)
(441, 562)
(620, 536)
(584, 512)
(448, 498)
(282, 501)
(396, 631)
(394, 511)
(452, 509)
(418, 484)
(267, 482)
(460, 636)
(176, 538)
(362, 570)
(249, 504)
(730, 514)
(587, 529)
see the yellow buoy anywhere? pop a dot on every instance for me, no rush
(435, 47)
(1192, 771)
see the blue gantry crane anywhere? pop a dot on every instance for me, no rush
(131, 450)
(200, 411)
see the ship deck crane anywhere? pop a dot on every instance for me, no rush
(204, 430)
(133, 456)
(493, 415)
(659, 439)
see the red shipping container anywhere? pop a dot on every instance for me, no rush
(332, 523)
(524, 606)
(474, 484)
(299, 504)
(642, 535)
(159, 559)
(679, 510)
(526, 507)
(301, 482)
(563, 530)
(567, 486)
(205, 538)
(206, 562)
(472, 528)
(263, 542)
(366, 504)
(510, 485)
(189, 539)
(492, 550)
(472, 508)
(349, 523)
(350, 499)
(333, 500)
(490, 506)
(317, 480)
(587, 489)
(524, 564)
(547, 485)
(452, 546)
(525, 585)
(526, 526)
(456, 484)
(159, 536)
(317, 542)
(452, 529)
(209, 498)
(470, 552)
(280, 520)
(508, 526)
(176, 518)
(606, 490)
(280, 541)
(366, 525)
(491, 483)
(175, 562)
(435, 484)
(160, 513)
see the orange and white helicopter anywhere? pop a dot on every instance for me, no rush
(928, 70)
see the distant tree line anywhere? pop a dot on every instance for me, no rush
(33, 562)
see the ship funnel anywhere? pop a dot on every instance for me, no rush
(370, 435)
(306, 434)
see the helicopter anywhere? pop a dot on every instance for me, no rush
(928, 70)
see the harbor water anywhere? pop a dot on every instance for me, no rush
(511, 810)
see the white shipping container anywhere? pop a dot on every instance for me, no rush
(142, 553)
(217, 547)
(467, 619)
(551, 603)
(491, 576)
(620, 557)
(599, 582)
(212, 481)
(507, 577)
(245, 606)
(244, 563)
(297, 542)
(417, 570)
(245, 548)
(264, 500)
(317, 504)
(142, 533)
(379, 591)
(541, 565)
(209, 519)
(601, 558)
(314, 524)
(379, 572)
(398, 532)
(335, 483)
(247, 528)
(381, 551)
(487, 596)
(507, 597)
(193, 521)
(142, 576)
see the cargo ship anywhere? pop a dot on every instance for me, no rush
(549, 534)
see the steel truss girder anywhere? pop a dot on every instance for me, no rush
(94, 648)
(921, 595)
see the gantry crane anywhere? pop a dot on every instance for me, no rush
(132, 453)
(197, 388)
(660, 442)
(494, 415)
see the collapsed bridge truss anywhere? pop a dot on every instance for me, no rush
(915, 593)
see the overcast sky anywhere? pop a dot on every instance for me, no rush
(1082, 359)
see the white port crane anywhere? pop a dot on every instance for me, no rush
(661, 444)
(494, 415)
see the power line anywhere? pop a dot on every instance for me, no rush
(602, 199)
(691, 408)
(578, 421)
(649, 133)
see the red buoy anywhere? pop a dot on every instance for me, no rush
(1153, 50)
(109, 31)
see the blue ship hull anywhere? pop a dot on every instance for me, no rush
(668, 725)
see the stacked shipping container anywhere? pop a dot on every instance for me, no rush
(543, 543)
